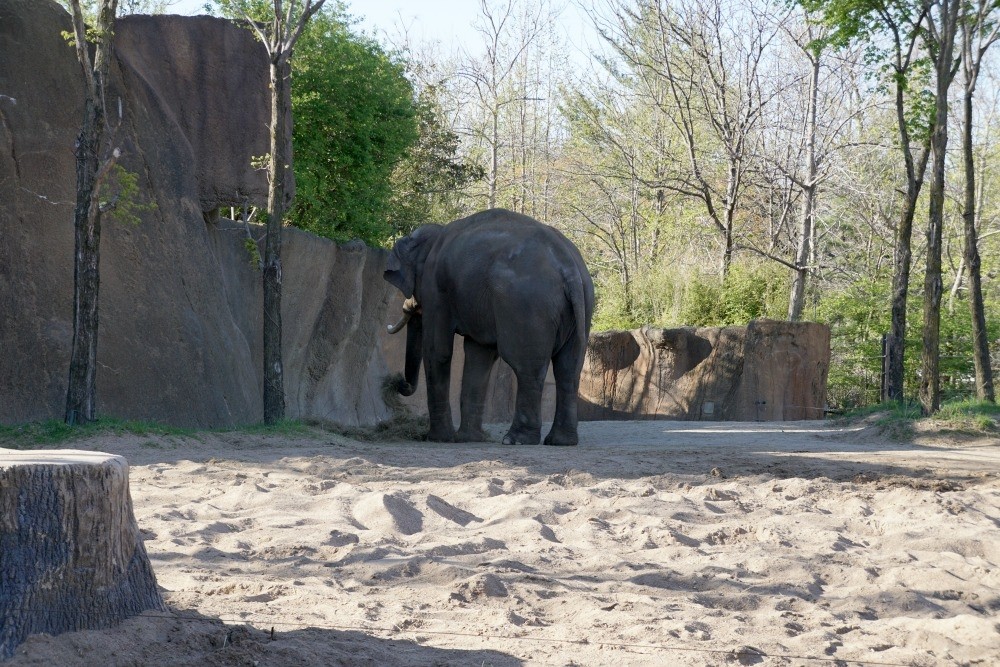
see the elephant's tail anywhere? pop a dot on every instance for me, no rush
(580, 293)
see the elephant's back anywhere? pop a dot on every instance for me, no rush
(509, 238)
(509, 261)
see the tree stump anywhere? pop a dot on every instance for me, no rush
(71, 557)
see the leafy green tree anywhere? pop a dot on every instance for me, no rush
(355, 120)
(958, 371)
(891, 31)
(702, 301)
(749, 291)
(427, 184)
(857, 317)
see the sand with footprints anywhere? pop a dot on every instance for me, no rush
(651, 543)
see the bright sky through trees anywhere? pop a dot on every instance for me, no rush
(449, 22)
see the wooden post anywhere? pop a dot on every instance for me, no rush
(71, 557)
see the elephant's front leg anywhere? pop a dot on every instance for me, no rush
(438, 344)
(479, 360)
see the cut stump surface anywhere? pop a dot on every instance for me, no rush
(71, 556)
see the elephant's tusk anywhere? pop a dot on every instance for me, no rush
(410, 307)
(398, 326)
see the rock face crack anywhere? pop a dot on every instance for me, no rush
(9, 135)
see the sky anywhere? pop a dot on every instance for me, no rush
(446, 21)
(449, 22)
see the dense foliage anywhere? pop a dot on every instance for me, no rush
(355, 119)
(358, 128)
(427, 184)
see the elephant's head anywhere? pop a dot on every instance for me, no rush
(403, 270)
(406, 261)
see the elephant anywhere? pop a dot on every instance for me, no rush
(514, 288)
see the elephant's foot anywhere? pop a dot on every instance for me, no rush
(441, 435)
(472, 435)
(512, 438)
(560, 442)
(563, 437)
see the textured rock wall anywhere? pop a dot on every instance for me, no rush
(168, 347)
(39, 121)
(180, 305)
(765, 371)
(334, 302)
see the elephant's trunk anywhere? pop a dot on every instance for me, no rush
(414, 349)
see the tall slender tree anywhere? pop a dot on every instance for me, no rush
(93, 165)
(980, 30)
(942, 29)
(508, 32)
(279, 32)
(710, 56)
(891, 30)
(809, 185)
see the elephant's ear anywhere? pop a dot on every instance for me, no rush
(400, 270)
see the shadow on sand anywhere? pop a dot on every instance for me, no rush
(188, 638)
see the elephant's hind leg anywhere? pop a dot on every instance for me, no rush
(527, 426)
(479, 360)
(566, 370)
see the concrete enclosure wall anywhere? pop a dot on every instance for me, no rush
(765, 371)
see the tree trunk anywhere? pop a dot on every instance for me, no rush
(494, 157)
(980, 336)
(71, 557)
(970, 255)
(279, 38)
(274, 383)
(903, 254)
(733, 181)
(930, 381)
(81, 392)
(902, 260)
(797, 296)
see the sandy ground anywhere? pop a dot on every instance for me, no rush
(651, 543)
